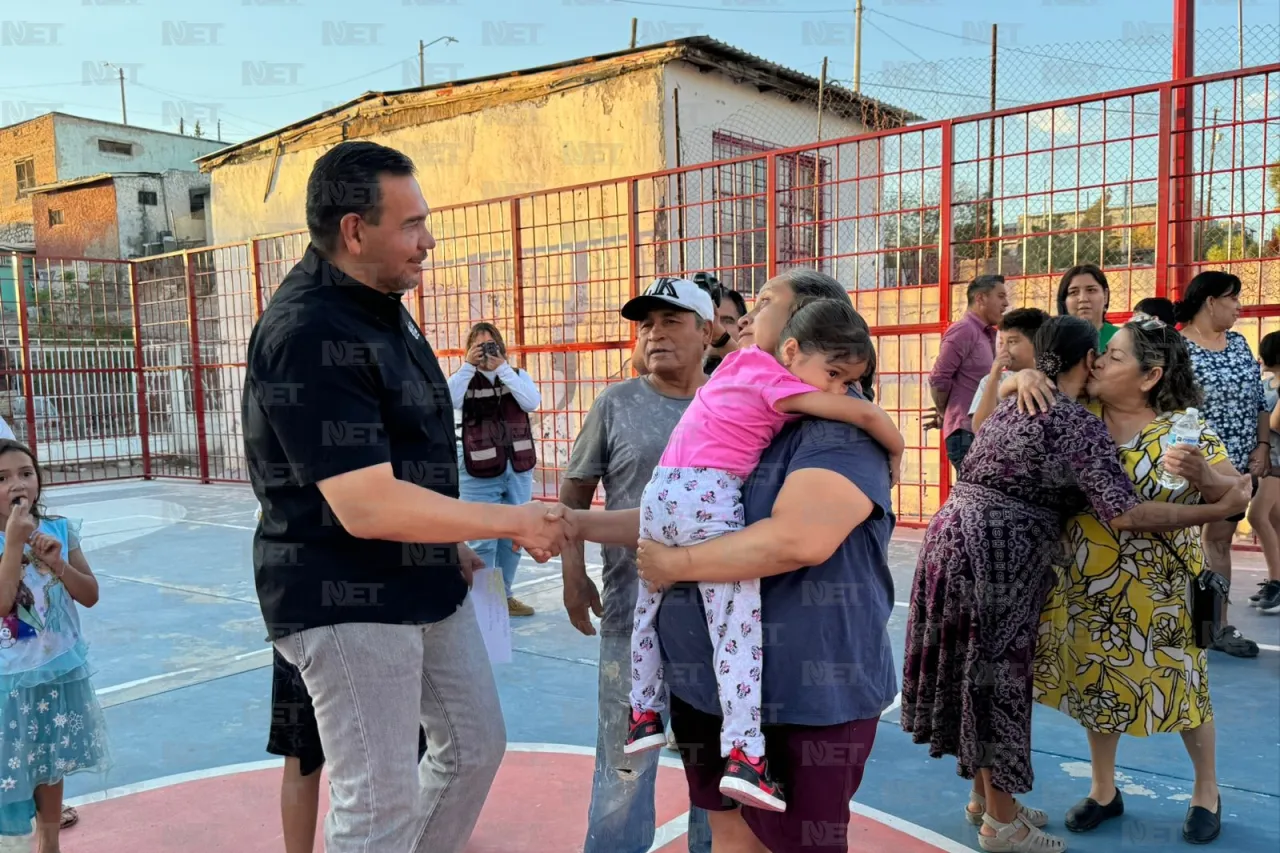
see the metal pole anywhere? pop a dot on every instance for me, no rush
(422, 63)
(991, 150)
(634, 23)
(857, 48)
(219, 130)
(124, 112)
(817, 169)
(675, 103)
(1240, 87)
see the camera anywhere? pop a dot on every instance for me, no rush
(490, 350)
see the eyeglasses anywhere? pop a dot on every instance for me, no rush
(1146, 322)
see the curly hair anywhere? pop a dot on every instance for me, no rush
(1161, 346)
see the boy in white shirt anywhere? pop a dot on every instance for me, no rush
(1016, 351)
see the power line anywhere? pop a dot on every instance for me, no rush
(974, 40)
(737, 10)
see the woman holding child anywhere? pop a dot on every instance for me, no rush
(818, 522)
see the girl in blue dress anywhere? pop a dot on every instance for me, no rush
(51, 724)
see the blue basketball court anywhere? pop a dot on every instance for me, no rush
(183, 671)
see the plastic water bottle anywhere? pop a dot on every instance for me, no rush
(1185, 430)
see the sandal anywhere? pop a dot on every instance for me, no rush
(69, 817)
(1034, 841)
(1035, 817)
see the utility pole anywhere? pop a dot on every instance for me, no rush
(634, 23)
(857, 49)
(422, 56)
(124, 112)
(219, 130)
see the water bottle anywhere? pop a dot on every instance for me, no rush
(1185, 430)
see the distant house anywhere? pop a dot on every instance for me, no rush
(121, 215)
(56, 147)
(584, 120)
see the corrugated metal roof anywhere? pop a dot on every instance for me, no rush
(90, 179)
(697, 49)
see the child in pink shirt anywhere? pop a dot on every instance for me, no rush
(696, 494)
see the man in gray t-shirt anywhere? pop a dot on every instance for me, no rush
(619, 445)
(621, 440)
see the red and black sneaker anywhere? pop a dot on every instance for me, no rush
(647, 732)
(747, 780)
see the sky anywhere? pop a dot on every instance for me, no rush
(255, 65)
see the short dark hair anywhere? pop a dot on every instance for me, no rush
(1269, 349)
(1093, 271)
(1025, 320)
(1161, 346)
(1210, 283)
(346, 180)
(1158, 307)
(983, 284)
(1062, 343)
(738, 302)
(829, 327)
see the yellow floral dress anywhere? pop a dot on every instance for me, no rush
(1115, 649)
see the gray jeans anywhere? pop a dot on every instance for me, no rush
(372, 685)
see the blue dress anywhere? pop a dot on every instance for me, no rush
(51, 724)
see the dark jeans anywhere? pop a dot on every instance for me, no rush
(958, 444)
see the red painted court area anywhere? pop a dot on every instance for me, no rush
(538, 805)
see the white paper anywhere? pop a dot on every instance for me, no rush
(489, 594)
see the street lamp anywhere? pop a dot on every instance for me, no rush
(422, 56)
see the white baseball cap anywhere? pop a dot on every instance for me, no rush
(677, 293)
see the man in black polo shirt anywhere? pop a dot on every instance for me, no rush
(349, 437)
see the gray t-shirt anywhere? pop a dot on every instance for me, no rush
(621, 441)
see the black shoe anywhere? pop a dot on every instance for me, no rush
(1269, 600)
(1232, 642)
(1089, 813)
(1257, 596)
(1202, 825)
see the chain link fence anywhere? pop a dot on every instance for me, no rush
(960, 86)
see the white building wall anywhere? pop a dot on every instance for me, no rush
(714, 102)
(178, 184)
(139, 223)
(78, 155)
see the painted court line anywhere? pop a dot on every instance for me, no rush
(665, 834)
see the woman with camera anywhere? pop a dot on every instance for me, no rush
(497, 456)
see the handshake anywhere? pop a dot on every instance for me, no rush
(544, 529)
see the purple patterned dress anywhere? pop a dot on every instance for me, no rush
(989, 560)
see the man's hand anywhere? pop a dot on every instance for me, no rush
(895, 470)
(581, 599)
(931, 420)
(469, 561)
(542, 531)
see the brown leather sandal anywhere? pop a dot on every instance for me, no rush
(69, 817)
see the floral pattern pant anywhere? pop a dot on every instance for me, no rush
(684, 506)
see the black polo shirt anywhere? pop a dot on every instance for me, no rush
(339, 378)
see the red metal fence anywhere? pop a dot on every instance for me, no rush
(113, 379)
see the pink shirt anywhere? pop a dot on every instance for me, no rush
(733, 417)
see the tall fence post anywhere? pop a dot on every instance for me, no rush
(140, 374)
(255, 279)
(1182, 209)
(517, 280)
(197, 368)
(24, 346)
(771, 216)
(944, 288)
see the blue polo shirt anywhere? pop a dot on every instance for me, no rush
(827, 658)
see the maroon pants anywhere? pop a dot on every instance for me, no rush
(819, 768)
